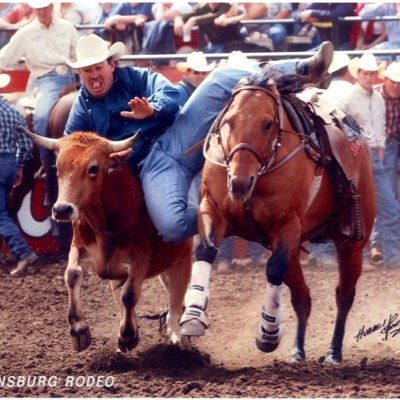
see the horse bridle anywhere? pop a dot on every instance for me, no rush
(266, 163)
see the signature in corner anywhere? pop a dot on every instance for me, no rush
(389, 328)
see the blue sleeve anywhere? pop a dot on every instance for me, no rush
(78, 119)
(161, 94)
(337, 11)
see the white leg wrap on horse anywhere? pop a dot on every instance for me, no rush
(198, 293)
(270, 330)
(196, 298)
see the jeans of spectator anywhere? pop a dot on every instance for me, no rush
(8, 229)
(255, 250)
(391, 163)
(277, 33)
(167, 171)
(386, 230)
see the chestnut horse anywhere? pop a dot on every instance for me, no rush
(259, 182)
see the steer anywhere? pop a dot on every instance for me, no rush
(102, 197)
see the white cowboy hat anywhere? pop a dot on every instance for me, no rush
(197, 62)
(340, 60)
(367, 62)
(392, 72)
(92, 49)
(4, 80)
(39, 3)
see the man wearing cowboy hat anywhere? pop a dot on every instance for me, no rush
(116, 102)
(195, 70)
(390, 91)
(43, 42)
(367, 107)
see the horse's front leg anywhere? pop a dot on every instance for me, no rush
(211, 230)
(284, 266)
(73, 276)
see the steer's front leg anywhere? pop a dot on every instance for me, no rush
(73, 276)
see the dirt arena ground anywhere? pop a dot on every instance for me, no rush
(34, 341)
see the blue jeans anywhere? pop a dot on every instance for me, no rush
(8, 229)
(167, 172)
(391, 163)
(48, 88)
(386, 231)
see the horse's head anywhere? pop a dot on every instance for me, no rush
(250, 130)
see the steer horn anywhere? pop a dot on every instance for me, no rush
(47, 143)
(120, 145)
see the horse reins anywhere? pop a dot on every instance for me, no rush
(267, 164)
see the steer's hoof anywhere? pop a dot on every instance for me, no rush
(81, 338)
(127, 343)
(193, 328)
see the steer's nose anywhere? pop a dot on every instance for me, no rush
(63, 211)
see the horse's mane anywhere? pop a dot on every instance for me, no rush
(285, 84)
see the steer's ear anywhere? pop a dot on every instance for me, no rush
(117, 159)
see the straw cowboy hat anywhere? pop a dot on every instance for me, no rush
(197, 62)
(4, 80)
(392, 72)
(39, 3)
(92, 49)
(340, 60)
(367, 62)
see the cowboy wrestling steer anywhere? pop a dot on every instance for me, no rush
(103, 199)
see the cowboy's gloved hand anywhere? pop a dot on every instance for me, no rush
(141, 109)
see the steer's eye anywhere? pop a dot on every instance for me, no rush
(93, 170)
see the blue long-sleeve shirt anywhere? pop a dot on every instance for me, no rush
(102, 115)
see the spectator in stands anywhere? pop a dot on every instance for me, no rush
(219, 38)
(82, 13)
(379, 9)
(255, 36)
(43, 42)
(194, 69)
(158, 35)
(126, 22)
(15, 150)
(322, 17)
(20, 15)
(367, 34)
(5, 8)
(386, 232)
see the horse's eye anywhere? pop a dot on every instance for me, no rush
(93, 170)
(268, 125)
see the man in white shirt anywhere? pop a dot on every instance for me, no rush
(367, 107)
(43, 43)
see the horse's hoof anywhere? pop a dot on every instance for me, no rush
(298, 356)
(193, 328)
(128, 343)
(331, 358)
(81, 338)
(266, 347)
(268, 342)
